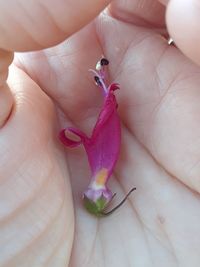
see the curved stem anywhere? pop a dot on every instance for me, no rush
(120, 204)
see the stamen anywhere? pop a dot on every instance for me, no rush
(105, 213)
(104, 62)
(98, 66)
(102, 84)
(97, 80)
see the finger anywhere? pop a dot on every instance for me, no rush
(164, 2)
(6, 98)
(30, 25)
(49, 68)
(183, 19)
(148, 13)
(156, 81)
(159, 100)
(33, 174)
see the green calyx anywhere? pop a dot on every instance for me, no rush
(96, 208)
(99, 207)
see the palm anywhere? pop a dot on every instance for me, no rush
(159, 108)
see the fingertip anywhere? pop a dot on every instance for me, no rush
(183, 20)
(34, 25)
(164, 2)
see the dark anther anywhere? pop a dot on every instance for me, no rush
(104, 62)
(97, 80)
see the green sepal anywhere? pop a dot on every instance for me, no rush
(96, 208)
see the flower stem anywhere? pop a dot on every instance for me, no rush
(105, 213)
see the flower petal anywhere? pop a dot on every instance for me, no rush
(103, 146)
(70, 142)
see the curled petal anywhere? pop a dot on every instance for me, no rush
(68, 141)
(113, 87)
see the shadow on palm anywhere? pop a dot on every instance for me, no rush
(159, 107)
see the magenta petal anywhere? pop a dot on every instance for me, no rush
(103, 146)
(114, 86)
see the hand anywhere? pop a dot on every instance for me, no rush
(159, 108)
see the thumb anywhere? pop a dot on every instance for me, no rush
(31, 25)
(183, 21)
(6, 98)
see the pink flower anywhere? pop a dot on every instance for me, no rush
(102, 147)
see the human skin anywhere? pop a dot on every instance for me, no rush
(160, 113)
